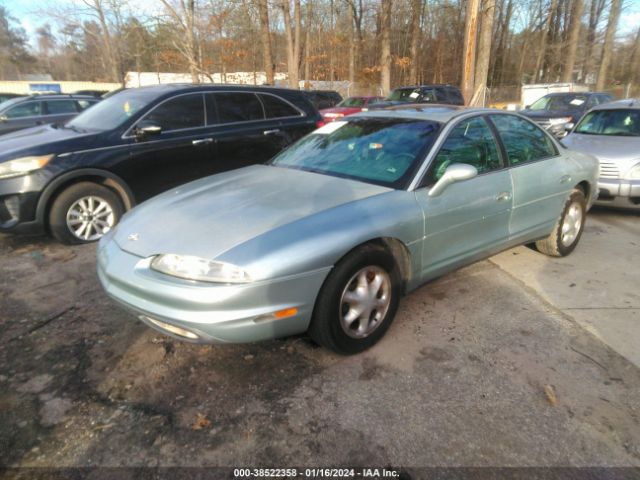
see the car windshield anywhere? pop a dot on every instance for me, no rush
(559, 102)
(113, 111)
(618, 122)
(404, 95)
(382, 151)
(352, 102)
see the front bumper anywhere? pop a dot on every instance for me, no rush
(214, 313)
(619, 193)
(18, 203)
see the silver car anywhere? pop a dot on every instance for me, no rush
(329, 235)
(611, 132)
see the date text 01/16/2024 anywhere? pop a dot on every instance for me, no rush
(373, 473)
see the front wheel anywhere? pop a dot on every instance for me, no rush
(84, 212)
(568, 229)
(358, 301)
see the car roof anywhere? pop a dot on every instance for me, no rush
(633, 103)
(196, 87)
(421, 111)
(559, 94)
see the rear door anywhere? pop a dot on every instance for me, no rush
(180, 153)
(541, 177)
(24, 115)
(470, 218)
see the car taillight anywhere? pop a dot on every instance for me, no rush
(320, 123)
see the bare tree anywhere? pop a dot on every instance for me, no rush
(414, 33)
(542, 49)
(484, 47)
(469, 49)
(574, 34)
(595, 13)
(293, 40)
(355, 47)
(185, 42)
(612, 26)
(385, 46)
(265, 33)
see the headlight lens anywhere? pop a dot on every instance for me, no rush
(22, 166)
(201, 269)
(634, 173)
(559, 120)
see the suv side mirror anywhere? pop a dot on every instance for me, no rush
(147, 128)
(3, 118)
(569, 126)
(456, 172)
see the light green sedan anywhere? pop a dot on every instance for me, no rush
(329, 235)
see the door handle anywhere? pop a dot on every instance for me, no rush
(203, 141)
(271, 132)
(503, 197)
(565, 179)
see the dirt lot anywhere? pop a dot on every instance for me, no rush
(480, 368)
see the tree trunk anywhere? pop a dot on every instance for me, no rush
(416, 12)
(574, 35)
(385, 46)
(293, 41)
(307, 44)
(265, 34)
(469, 50)
(543, 42)
(612, 25)
(108, 44)
(484, 47)
(595, 12)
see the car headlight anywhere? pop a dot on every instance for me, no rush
(559, 120)
(634, 173)
(22, 166)
(201, 269)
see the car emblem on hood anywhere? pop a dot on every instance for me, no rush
(134, 237)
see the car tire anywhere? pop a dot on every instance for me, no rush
(83, 213)
(367, 278)
(568, 229)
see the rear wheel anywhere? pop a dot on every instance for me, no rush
(568, 229)
(84, 212)
(358, 301)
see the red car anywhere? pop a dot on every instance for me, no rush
(348, 106)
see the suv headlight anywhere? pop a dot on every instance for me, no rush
(200, 269)
(22, 166)
(634, 173)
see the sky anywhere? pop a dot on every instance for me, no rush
(26, 12)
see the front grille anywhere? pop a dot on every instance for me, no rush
(544, 123)
(609, 170)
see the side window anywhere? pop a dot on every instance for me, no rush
(455, 96)
(470, 142)
(184, 111)
(238, 107)
(275, 107)
(523, 141)
(428, 96)
(27, 109)
(60, 107)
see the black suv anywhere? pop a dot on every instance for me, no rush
(559, 112)
(441, 94)
(25, 112)
(77, 180)
(323, 98)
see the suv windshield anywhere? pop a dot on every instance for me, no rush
(113, 111)
(618, 122)
(352, 102)
(382, 151)
(570, 101)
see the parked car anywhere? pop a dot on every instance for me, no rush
(348, 106)
(75, 181)
(8, 96)
(25, 112)
(329, 235)
(558, 112)
(322, 99)
(442, 94)
(611, 132)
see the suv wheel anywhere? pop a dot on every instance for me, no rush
(83, 213)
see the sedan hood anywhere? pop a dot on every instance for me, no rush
(547, 114)
(624, 151)
(40, 140)
(212, 215)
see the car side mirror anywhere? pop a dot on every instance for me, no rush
(3, 118)
(456, 172)
(569, 126)
(146, 128)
